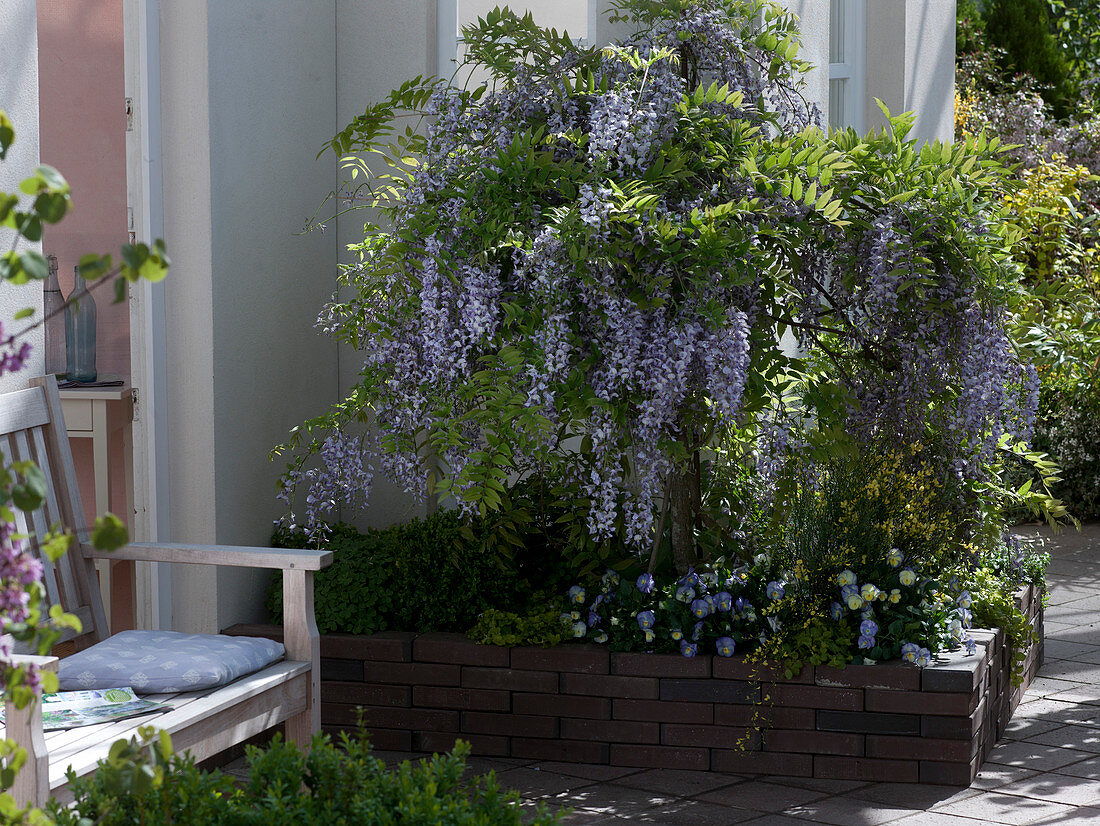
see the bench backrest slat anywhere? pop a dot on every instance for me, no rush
(32, 429)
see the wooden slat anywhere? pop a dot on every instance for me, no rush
(23, 409)
(34, 524)
(70, 593)
(67, 492)
(235, 556)
(17, 450)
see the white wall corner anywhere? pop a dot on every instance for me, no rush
(885, 59)
(813, 25)
(19, 99)
(930, 68)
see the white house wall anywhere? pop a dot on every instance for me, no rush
(19, 99)
(909, 60)
(378, 47)
(930, 67)
(248, 95)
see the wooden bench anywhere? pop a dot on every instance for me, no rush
(203, 722)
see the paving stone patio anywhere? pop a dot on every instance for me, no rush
(1045, 771)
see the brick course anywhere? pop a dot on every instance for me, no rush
(580, 703)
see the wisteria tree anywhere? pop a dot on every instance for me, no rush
(617, 266)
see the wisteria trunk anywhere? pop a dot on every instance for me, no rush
(683, 507)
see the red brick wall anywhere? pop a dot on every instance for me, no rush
(582, 703)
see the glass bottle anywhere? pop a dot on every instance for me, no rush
(80, 333)
(53, 316)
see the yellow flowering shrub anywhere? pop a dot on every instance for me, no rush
(1045, 208)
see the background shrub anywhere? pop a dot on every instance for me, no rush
(430, 574)
(442, 572)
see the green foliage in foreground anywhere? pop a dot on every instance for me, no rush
(145, 784)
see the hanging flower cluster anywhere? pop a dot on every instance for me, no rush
(589, 269)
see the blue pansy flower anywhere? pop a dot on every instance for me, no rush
(868, 628)
(739, 604)
(697, 632)
(969, 644)
(894, 558)
(600, 637)
(576, 594)
(646, 619)
(685, 593)
(907, 576)
(866, 641)
(645, 583)
(849, 590)
(964, 600)
(909, 651)
(688, 649)
(724, 600)
(579, 629)
(724, 646)
(775, 590)
(650, 635)
(836, 611)
(924, 657)
(774, 622)
(676, 634)
(593, 619)
(700, 608)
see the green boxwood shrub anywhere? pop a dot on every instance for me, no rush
(433, 574)
(333, 784)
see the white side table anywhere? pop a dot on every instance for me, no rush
(95, 413)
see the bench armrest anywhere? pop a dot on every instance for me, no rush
(44, 663)
(232, 555)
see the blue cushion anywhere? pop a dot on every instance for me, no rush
(159, 662)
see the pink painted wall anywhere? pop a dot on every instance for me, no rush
(82, 125)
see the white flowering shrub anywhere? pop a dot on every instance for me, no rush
(587, 268)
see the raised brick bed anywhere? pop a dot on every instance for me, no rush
(582, 703)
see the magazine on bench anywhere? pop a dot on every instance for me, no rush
(72, 709)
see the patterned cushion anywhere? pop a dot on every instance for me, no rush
(158, 662)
